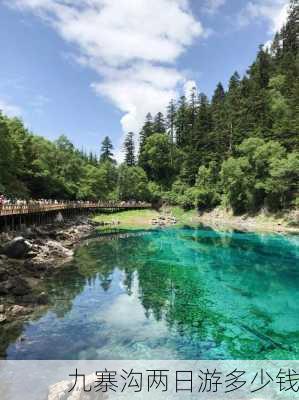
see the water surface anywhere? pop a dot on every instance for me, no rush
(179, 293)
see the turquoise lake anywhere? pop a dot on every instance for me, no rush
(178, 293)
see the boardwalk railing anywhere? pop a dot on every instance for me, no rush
(17, 209)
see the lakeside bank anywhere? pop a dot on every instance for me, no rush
(30, 256)
(216, 219)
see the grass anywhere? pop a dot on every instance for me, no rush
(184, 217)
(141, 219)
(128, 220)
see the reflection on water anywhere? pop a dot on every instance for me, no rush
(172, 294)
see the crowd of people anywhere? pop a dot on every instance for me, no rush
(7, 202)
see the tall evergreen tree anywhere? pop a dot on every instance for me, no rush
(129, 147)
(220, 132)
(170, 119)
(146, 131)
(106, 150)
(159, 125)
(182, 123)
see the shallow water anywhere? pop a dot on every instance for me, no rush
(172, 294)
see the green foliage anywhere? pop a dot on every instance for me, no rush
(237, 182)
(99, 183)
(156, 158)
(206, 190)
(264, 176)
(132, 183)
(155, 192)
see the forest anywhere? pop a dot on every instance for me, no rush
(239, 149)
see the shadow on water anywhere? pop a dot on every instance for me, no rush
(179, 293)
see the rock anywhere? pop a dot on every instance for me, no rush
(3, 257)
(17, 311)
(40, 232)
(62, 390)
(5, 287)
(3, 318)
(42, 298)
(56, 249)
(2, 308)
(29, 299)
(16, 248)
(32, 254)
(3, 273)
(36, 265)
(53, 234)
(29, 233)
(20, 287)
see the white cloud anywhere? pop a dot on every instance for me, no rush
(9, 109)
(273, 11)
(132, 44)
(188, 87)
(212, 6)
(267, 46)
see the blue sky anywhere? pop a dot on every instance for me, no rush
(90, 68)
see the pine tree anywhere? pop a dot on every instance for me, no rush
(182, 123)
(147, 130)
(193, 109)
(170, 124)
(234, 109)
(129, 149)
(220, 132)
(159, 123)
(106, 150)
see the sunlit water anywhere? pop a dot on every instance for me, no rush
(172, 294)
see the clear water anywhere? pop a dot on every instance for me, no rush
(172, 294)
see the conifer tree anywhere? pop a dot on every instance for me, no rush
(129, 147)
(159, 125)
(170, 119)
(106, 150)
(181, 123)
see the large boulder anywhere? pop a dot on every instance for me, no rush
(16, 248)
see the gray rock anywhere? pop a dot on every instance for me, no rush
(20, 287)
(5, 287)
(3, 318)
(3, 273)
(17, 310)
(16, 248)
(53, 234)
(2, 308)
(42, 298)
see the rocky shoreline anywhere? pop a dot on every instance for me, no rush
(220, 219)
(30, 256)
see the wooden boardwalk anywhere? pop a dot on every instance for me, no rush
(37, 208)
